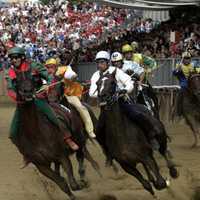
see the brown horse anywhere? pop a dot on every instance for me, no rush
(41, 142)
(191, 105)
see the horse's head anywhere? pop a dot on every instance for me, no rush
(107, 87)
(24, 86)
(194, 85)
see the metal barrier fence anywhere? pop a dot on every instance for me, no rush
(161, 76)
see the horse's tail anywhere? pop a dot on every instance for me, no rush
(90, 159)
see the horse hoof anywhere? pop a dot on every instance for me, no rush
(173, 172)
(160, 185)
(147, 186)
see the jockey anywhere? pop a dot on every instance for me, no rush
(124, 81)
(54, 93)
(182, 72)
(37, 71)
(125, 85)
(117, 60)
(148, 63)
(73, 91)
(128, 66)
(184, 68)
(147, 93)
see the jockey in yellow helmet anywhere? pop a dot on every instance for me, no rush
(73, 92)
(129, 66)
(147, 62)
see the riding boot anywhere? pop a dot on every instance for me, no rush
(68, 140)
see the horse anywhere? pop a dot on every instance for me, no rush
(41, 142)
(125, 142)
(190, 105)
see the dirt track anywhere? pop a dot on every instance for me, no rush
(28, 184)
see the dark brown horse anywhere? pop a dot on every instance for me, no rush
(41, 142)
(124, 141)
(191, 105)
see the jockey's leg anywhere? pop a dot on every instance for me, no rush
(44, 107)
(85, 116)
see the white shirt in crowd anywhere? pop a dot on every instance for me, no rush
(123, 81)
(133, 66)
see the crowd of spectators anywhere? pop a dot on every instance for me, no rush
(88, 27)
(172, 39)
(43, 29)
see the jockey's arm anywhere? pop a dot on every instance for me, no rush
(125, 80)
(150, 63)
(41, 70)
(70, 74)
(93, 87)
(178, 70)
(10, 86)
(139, 71)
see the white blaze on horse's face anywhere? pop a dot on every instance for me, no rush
(103, 84)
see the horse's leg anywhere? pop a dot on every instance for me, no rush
(160, 182)
(149, 175)
(90, 159)
(172, 167)
(59, 180)
(133, 171)
(67, 166)
(81, 170)
(191, 123)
